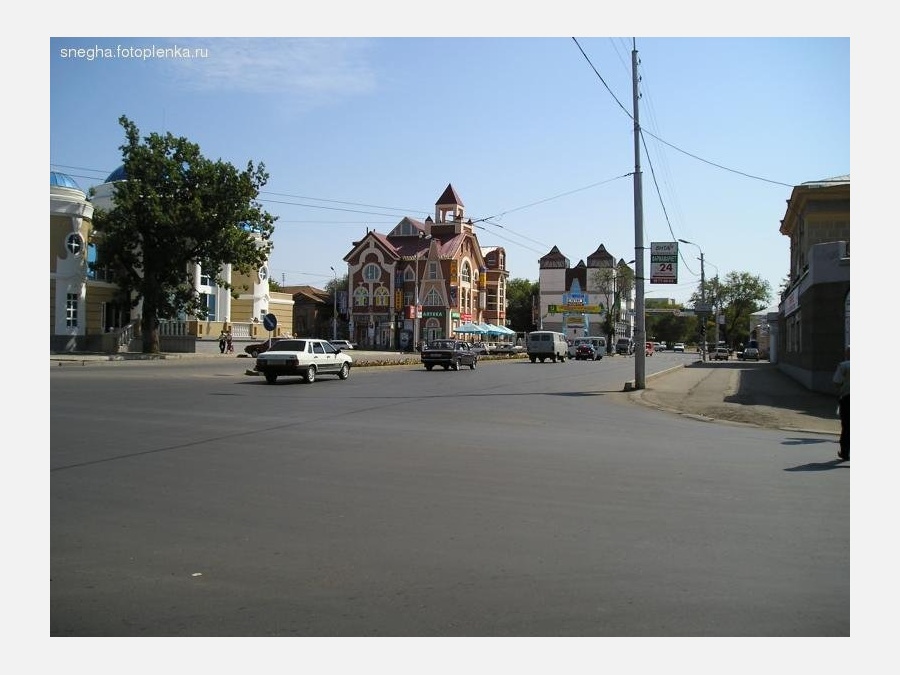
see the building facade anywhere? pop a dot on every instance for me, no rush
(85, 314)
(814, 313)
(575, 300)
(423, 280)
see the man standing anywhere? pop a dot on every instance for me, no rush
(841, 380)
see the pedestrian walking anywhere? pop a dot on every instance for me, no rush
(229, 345)
(222, 342)
(841, 380)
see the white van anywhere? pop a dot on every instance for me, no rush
(547, 344)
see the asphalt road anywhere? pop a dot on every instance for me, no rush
(518, 499)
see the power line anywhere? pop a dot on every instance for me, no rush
(674, 147)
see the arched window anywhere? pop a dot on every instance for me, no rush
(361, 297)
(371, 272)
(466, 275)
(434, 299)
(382, 297)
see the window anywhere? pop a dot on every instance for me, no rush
(208, 302)
(433, 299)
(371, 272)
(361, 297)
(318, 348)
(75, 243)
(466, 274)
(206, 279)
(382, 297)
(71, 310)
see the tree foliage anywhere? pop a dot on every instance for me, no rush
(520, 298)
(739, 296)
(177, 209)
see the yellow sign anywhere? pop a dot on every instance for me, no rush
(575, 309)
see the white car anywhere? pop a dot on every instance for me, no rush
(304, 357)
(484, 348)
(679, 347)
(342, 344)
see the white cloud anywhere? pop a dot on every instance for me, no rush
(317, 68)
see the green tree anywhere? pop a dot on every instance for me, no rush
(521, 294)
(177, 209)
(613, 282)
(737, 297)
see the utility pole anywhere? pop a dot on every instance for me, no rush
(334, 315)
(702, 314)
(640, 333)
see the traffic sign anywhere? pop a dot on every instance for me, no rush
(270, 321)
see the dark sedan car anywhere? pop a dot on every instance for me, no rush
(450, 354)
(586, 352)
(258, 348)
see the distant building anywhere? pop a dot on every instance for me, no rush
(813, 325)
(575, 300)
(424, 279)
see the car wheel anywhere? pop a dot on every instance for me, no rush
(344, 372)
(533, 359)
(254, 353)
(473, 364)
(456, 364)
(429, 366)
(310, 374)
(553, 358)
(271, 377)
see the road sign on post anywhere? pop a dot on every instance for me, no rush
(270, 321)
(664, 262)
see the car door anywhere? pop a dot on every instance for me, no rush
(324, 360)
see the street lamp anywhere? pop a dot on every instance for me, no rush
(334, 315)
(422, 237)
(702, 292)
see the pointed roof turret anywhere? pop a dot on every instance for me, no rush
(449, 196)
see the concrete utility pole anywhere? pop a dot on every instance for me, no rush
(702, 315)
(640, 332)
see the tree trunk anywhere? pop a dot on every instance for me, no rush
(149, 332)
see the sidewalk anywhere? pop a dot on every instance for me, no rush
(755, 393)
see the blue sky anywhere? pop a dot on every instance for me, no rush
(534, 135)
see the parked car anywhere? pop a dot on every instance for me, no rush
(449, 354)
(750, 354)
(342, 344)
(305, 357)
(258, 348)
(509, 348)
(483, 348)
(625, 346)
(721, 354)
(679, 347)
